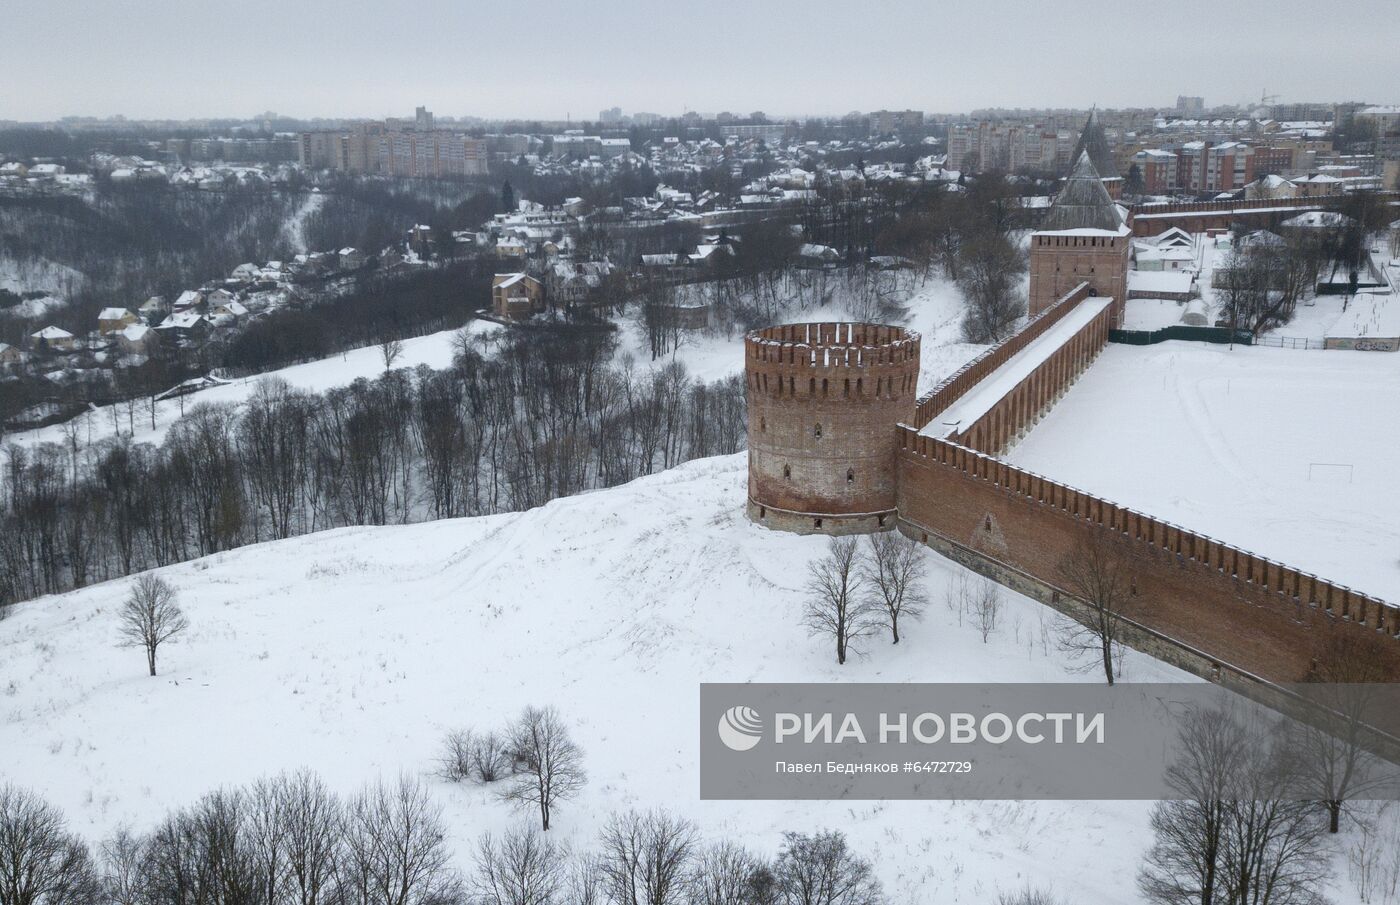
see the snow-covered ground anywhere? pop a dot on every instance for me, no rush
(354, 651)
(32, 275)
(295, 228)
(1289, 454)
(434, 350)
(1372, 313)
(1152, 314)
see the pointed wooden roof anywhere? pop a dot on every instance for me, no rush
(1093, 140)
(1083, 202)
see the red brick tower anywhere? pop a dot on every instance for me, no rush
(1082, 239)
(823, 401)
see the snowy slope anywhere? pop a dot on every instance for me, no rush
(935, 310)
(434, 350)
(353, 651)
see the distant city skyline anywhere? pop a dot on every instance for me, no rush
(316, 58)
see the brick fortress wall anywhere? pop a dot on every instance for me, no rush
(1221, 606)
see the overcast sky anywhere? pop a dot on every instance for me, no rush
(547, 59)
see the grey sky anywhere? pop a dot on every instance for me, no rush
(546, 59)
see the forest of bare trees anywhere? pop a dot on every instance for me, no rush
(547, 414)
(290, 840)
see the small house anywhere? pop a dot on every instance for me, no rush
(137, 339)
(114, 320)
(228, 310)
(10, 357)
(515, 296)
(53, 339)
(812, 255)
(184, 325)
(188, 300)
(511, 249)
(152, 310)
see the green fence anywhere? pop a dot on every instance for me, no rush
(1219, 335)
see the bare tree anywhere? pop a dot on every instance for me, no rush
(1344, 685)
(396, 852)
(311, 819)
(1236, 834)
(986, 602)
(821, 869)
(894, 571)
(525, 867)
(41, 863)
(1027, 896)
(548, 765)
(725, 874)
(390, 350)
(1098, 573)
(479, 757)
(646, 858)
(990, 280)
(587, 882)
(123, 856)
(835, 608)
(1373, 858)
(151, 616)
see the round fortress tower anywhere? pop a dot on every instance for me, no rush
(823, 402)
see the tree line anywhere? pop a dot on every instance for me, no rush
(545, 414)
(1267, 274)
(290, 840)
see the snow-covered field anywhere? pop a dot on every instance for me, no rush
(354, 651)
(1290, 454)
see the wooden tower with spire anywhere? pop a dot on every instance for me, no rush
(1094, 142)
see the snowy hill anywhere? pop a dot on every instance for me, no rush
(354, 651)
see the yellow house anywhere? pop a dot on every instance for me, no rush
(114, 320)
(515, 296)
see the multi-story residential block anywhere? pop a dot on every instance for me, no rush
(1157, 169)
(888, 122)
(1206, 167)
(768, 133)
(1190, 106)
(395, 147)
